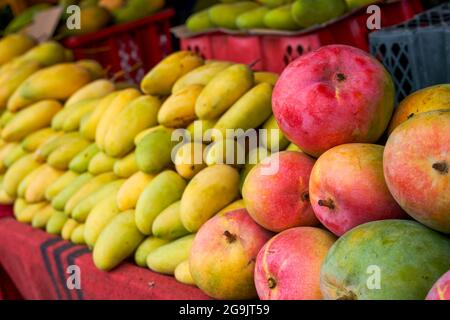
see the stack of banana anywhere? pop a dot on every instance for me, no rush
(90, 160)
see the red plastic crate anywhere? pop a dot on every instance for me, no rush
(275, 52)
(132, 48)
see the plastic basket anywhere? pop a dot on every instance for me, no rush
(275, 52)
(130, 48)
(416, 52)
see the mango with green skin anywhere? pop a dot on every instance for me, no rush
(223, 91)
(15, 154)
(68, 228)
(225, 15)
(307, 13)
(199, 21)
(380, 245)
(61, 156)
(56, 222)
(153, 152)
(138, 115)
(59, 201)
(41, 217)
(117, 241)
(18, 171)
(101, 163)
(136, 9)
(168, 225)
(253, 19)
(274, 3)
(56, 187)
(26, 214)
(166, 188)
(77, 236)
(47, 54)
(161, 78)
(73, 114)
(34, 140)
(148, 245)
(281, 19)
(127, 166)
(81, 161)
(166, 258)
(216, 186)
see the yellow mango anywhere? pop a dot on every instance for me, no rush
(47, 53)
(148, 245)
(208, 192)
(77, 236)
(35, 191)
(19, 170)
(15, 154)
(56, 222)
(110, 249)
(77, 112)
(166, 188)
(223, 91)
(56, 142)
(60, 200)
(61, 156)
(201, 75)
(130, 191)
(95, 90)
(139, 114)
(88, 127)
(189, 159)
(160, 80)
(236, 205)
(183, 274)
(34, 140)
(168, 225)
(274, 140)
(5, 150)
(101, 163)
(59, 184)
(268, 77)
(14, 45)
(179, 109)
(120, 101)
(126, 167)
(56, 82)
(81, 161)
(26, 121)
(166, 258)
(68, 228)
(41, 217)
(26, 214)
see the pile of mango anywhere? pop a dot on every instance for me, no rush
(271, 14)
(85, 158)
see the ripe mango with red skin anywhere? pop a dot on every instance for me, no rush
(334, 95)
(441, 289)
(223, 255)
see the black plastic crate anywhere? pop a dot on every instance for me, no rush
(416, 52)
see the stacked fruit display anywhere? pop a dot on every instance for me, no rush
(130, 172)
(271, 14)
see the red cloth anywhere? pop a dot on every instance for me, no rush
(37, 264)
(5, 211)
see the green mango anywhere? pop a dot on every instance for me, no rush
(281, 19)
(274, 3)
(136, 9)
(253, 19)
(56, 222)
(81, 161)
(25, 18)
(60, 200)
(148, 245)
(199, 21)
(225, 15)
(168, 225)
(308, 13)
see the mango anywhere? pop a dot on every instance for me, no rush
(307, 13)
(88, 126)
(200, 76)
(223, 91)
(253, 19)
(138, 115)
(225, 151)
(281, 19)
(94, 68)
(19, 170)
(35, 191)
(81, 161)
(59, 184)
(34, 140)
(61, 156)
(167, 224)
(41, 217)
(23, 185)
(6, 150)
(199, 21)
(19, 205)
(148, 245)
(236, 205)
(225, 15)
(95, 90)
(250, 111)
(31, 119)
(101, 163)
(136, 9)
(59, 201)
(84, 207)
(99, 217)
(126, 167)
(68, 228)
(26, 214)
(189, 159)
(166, 188)
(216, 186)
(77, 236)
(6, 198)
(75, 112)
(92, 19)
(160, 80)
(380, 246)
(273, 139)
(56, 82)
(110, 249)
(254, 157)
(6, 117)
(47, 54)
(86, 189)
(15, 154)
(179, 109)
(56, 222)
(269, 77)
(167, 257)
(12, 75)
(14, 45)
(130, 191)
(120, 101)
(153, 152)
(183, 274)
(46, 148)
(143, 133)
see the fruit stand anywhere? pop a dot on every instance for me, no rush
(272, 157)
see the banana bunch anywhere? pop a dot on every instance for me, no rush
(96, 164)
